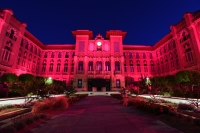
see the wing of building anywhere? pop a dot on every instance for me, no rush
(98, 63)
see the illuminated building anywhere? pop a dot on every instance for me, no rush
(98, 63)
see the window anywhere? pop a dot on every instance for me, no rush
(20, 52)
(60, 55)
(107, 66)
(65, 67)
(124, 67)
(90, 64)
(131, 66)
(117, 66)
(99, 66)
(67, 55)
(45, 54)
(152, 66)
(138, 66)
(6, 53)
(130, 55)
(22, 42)
(52, 54)
(26, 45)
(25, 54)
(117, 83)
(51, 66)
(80, 65)
(30, 57)
(35, 50)
(137, 56)
(79, 83)
(188, 55)
(145, 66)
(124, 54)
(58, 66)
(73, 54)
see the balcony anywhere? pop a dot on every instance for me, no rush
(80, 72)
(98, 72)
(117, 72)
(107, 72)
(90, 72)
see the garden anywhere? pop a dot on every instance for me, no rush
(44, 98)
(183, 85)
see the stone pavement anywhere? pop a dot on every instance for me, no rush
(102, 114)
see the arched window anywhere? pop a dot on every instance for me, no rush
(30, 57)
(145, 66)
(90, 64)
(131, 66)
(58, 66)
(45, 54)
(152, 66)
(66, 66)
(44, 66)
(51, 66)
(72, 66)
(52, 54)
(107, 66)
(59, 54)
(138, 66)
(25, 54)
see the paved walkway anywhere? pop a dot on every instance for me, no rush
(102, 114)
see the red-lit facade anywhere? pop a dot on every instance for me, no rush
(98, 63)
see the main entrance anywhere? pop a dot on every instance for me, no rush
(99, 84)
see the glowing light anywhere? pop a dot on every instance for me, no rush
(49, 81)
(99, 43)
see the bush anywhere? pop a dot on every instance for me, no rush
(9, 129)
(117, 96)
(35, 117)
(60, 103)
(42, 116)
(28, 120)
(56, 103)
(184, 106)
(19, 125)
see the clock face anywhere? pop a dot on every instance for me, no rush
(99, 43)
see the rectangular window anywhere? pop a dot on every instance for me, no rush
(117, 83)
(79, 83)
(67, 55)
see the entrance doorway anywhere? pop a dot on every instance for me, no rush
(99, 83)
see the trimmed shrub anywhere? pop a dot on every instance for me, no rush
(35, 118)
(8, 129)
(28, 120)
(19, 125)
(184, 106)
(42, 116)
(55, 103)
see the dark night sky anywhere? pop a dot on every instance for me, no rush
(146, 21)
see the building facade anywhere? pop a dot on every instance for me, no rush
(98, 63)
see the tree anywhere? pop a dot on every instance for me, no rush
(188, 78)
(9, 77)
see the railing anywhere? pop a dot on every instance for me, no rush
(90, 72)
(80, 72)
(117, 72)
